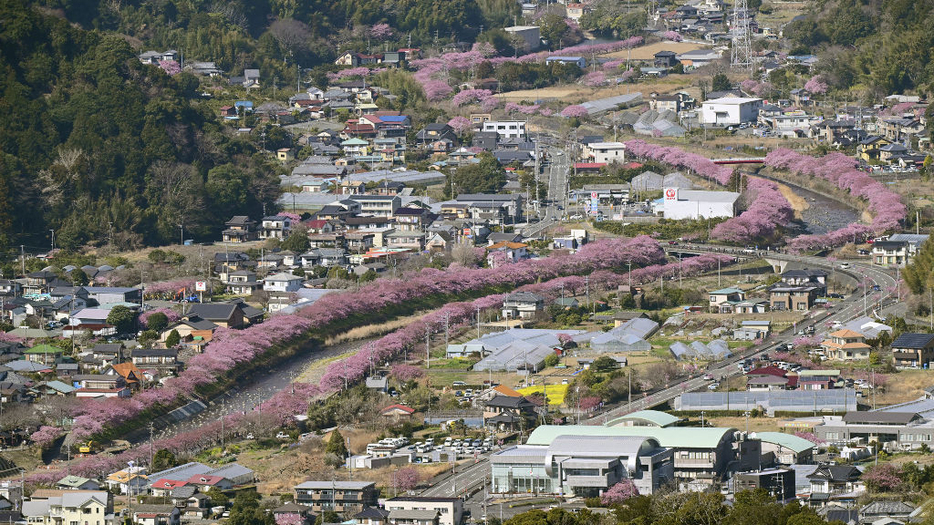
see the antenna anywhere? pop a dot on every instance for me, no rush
(741, 50)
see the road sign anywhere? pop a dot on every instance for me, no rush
(201, 286)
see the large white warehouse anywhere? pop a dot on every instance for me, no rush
(679, 203)
(730, 111)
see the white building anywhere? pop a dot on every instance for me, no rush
(730, 111)
(698, 204)
(450, 511)
(607, 152)
(282, 282)
(531, 35)
(506, 129)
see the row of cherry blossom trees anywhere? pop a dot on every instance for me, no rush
(886, 207)
(432, 73)
(230, 348)
(227, 350)
(766, 208)
(675, 156)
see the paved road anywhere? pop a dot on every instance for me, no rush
(557, 180)
(851, 307)
(467, 477)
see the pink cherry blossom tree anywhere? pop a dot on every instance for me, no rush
(885, 477)
(816, 85)
(460, 124)
(405, 373)
(406, 478)
(674, 36)
(45, 435)
(380, 31)
(170, 67)
(619, 493)
(574, 111)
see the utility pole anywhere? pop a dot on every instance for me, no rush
(427, 347)
(22, 253)
(150, 445)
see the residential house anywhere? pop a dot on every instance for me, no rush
(913, 350)
(869, 148)
(793, 298)
(494, 208)
(205, 482)
(73, 482)
(130, 479)
(665, 59)
(275, 227)
(355, 147)
(241, 282)
(397, 412)
(326, 257)
(45, 354)
(522, 305)
(835, 479)
(450, 511)
(846, 345)
(155, 358)
(239, 229)
(723, 300)
(372, 516)
(509, 413)
(225, 315)
(39, 282)
(886, 510)
(890, 253)
(157, 515)
(806, 277)
(769, 378)
(90, 507)
(104, 295)
(377, 205)
(191, 329)
(132, 375)
(506, 129)
(435, 132)
(282, 282)
(819, 379)
(100, 385)
(506, 252)
(337, 496)
(892, 152)
(607, 152)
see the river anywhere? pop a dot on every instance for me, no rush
(821, 215)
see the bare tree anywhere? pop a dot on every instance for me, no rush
(291, 35)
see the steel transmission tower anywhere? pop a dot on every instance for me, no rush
(741, 51)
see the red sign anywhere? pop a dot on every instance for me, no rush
(671, 194)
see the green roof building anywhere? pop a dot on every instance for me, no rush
(645, 418)
(701, 455)
(45, 354)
